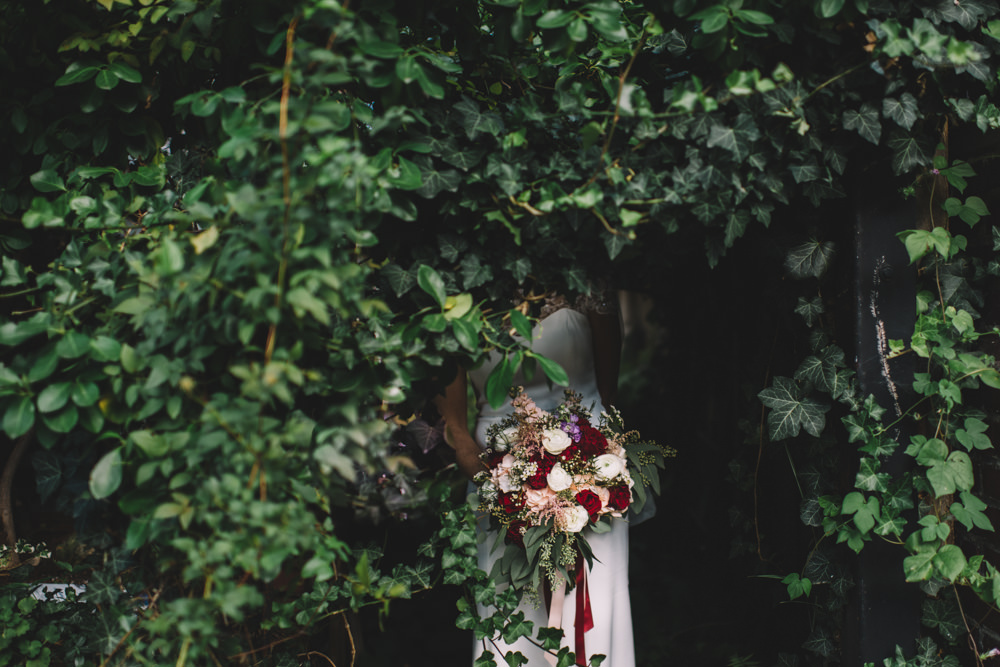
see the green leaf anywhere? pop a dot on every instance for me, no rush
(555, 18)
(466, 334)
(521, 324)
(908, 154)
(73, 345)
(973, 436)
(869, 478)
(125, 73)
(810, 259)
(400, 280)
(406, 176)
(106, 79)
(949, 561)
(865, 121)
(54, 396)
(903, 112)
(77, 73)
(476, 123)
(498, 382)
(431, 282)
(954, 474)
(62, 421)
(106, 476)
(19, 417)
(790, 411)
(919, 566)
(944, 616)
(552, 370)
(47, 180)
(829, 8)
(149, 442)
(970, 512)
(810, 309)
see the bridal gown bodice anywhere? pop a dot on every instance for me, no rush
(565, 337)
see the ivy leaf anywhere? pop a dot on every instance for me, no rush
(966, 13)
(822, 370)
(869, 478)
(474, 273)
(803, 173)
(434, 182)
(451, 247)
(865, 121)
(890, 523)
(790, 412)
(737, 139)
(810, 309)
(810, 259)
(943, 615)
(903, 111)
(400, 280)
(476, 123)
(48, 472)
(820, 642)
(908, 154)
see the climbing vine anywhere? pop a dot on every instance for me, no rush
(244, 243)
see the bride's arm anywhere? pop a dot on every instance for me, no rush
(607, 335)
(453, 408)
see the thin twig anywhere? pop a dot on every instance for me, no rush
(286, 178)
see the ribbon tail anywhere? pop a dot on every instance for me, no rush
(584, 614)
(555, 601)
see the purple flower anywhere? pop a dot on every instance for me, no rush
(571, 428)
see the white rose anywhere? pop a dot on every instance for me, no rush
(555, 440)
(558, 479)
(608, 466)
(574, 519)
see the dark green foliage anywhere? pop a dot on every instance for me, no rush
(241, 238)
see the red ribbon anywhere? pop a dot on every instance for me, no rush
(584, 615)
(584, 620)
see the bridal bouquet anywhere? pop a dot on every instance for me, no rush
(555, 476)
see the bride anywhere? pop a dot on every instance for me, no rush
(585, 338)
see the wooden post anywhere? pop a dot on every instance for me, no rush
(884, 611)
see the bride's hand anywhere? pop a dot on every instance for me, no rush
(453, 407)
(467, 451)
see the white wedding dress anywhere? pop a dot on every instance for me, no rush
(565, 336)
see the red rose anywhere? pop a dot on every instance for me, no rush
(590, 502)
(570, 452)
(493, 459)
(620, 497)
(514, 534)
(592, 442)
(538, 481)
(510, 502)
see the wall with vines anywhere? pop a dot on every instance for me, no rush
(243, 243)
